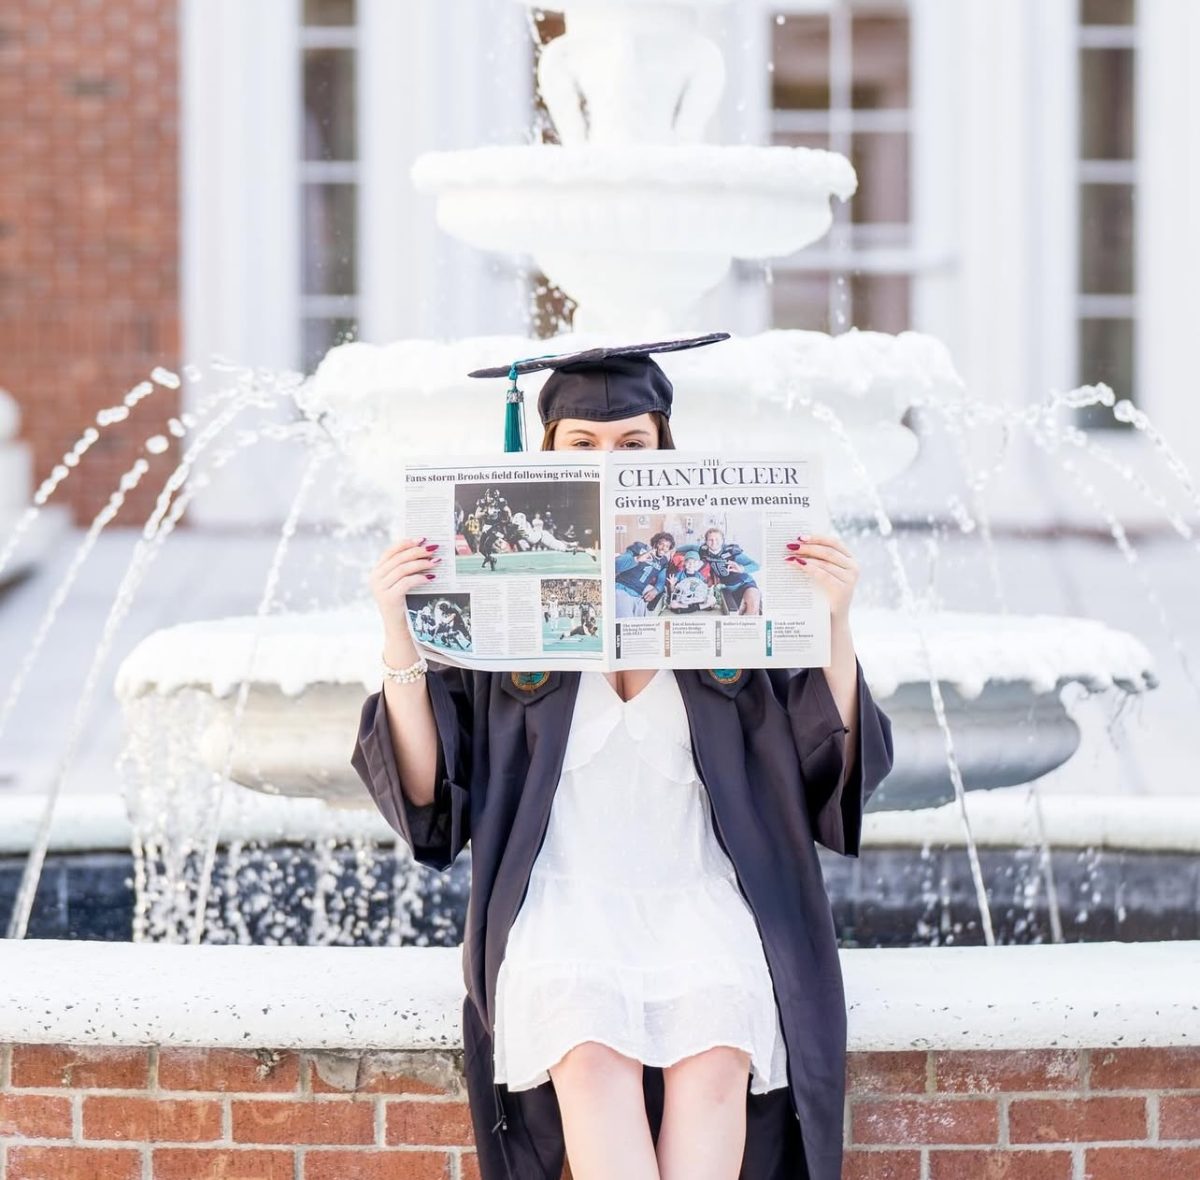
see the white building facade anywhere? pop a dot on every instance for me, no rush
(1029, 175)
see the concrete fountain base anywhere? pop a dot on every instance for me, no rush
(323, 1062)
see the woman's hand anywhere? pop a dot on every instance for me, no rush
(401, 568)
(833, 568)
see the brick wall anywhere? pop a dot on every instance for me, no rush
(89, 225)
(181, 1114)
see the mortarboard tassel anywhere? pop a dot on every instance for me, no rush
(514, 415)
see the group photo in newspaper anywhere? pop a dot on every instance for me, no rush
(640, 559)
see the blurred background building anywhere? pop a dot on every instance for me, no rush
(191, 178)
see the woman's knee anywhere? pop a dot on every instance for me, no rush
(718, 1074)
(598, 1063)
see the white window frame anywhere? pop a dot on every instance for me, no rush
(748, 116)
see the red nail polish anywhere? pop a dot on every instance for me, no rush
(430, 548)
(792, 545)
(801, 561)
(429, 576)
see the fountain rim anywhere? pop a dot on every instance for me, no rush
(300, 997)
(727, 167)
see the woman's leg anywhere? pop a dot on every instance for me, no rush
(703, 1132)
(603, 1108)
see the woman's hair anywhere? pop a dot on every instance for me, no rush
(665, 440)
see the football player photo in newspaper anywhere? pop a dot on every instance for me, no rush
(523, 527)
(571, 614)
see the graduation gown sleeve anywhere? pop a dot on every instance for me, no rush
(837, 787)
(437, 831)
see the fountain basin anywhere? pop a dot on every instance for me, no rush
(636, 233)
(385, 402)
(309, 674)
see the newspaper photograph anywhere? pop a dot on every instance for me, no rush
(700, 571)
(521, 586)
(638, 559)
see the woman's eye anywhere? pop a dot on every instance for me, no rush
(634, 445)
(581, 442)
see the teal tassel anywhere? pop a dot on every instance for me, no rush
(514, 416)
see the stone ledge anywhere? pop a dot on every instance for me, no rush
(1082, 995)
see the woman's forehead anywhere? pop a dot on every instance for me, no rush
(641, 423)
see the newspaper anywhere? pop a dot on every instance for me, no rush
(619, 559)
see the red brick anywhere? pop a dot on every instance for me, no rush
(886, 1073)
(1000, 1165)
(933, 1120)
(419, 1123)
(989, 1070)
(89, 300)
(881, 1165)
(377, 1165)
(151, 1120)
(1145, 1069)
(35, 1116)
(1179, 1116)
(272, 1120)
(80, 1067)
(72, 1163)
(204, 1163)
(374, 1077)
(224, 1071)
(1075, 1120)
(468, 1167)
(1142, 1163)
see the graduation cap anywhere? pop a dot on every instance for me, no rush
(599, 384)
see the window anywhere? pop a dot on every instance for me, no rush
(840, 80)
(1107, 178)
(329, 177)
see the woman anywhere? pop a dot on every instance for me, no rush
(702, 793)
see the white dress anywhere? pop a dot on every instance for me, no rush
(633, 931)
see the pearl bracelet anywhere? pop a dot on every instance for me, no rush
(408, 675)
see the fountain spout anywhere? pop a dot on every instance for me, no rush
(631, 73)
(631, 215)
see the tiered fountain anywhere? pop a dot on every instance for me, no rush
(636, 220)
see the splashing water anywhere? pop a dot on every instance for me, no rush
(71, 458)
(825, 414)
(318, 460)
(149, 544)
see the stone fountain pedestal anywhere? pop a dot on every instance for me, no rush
(309, 675)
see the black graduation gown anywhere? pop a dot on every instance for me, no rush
(770, 748)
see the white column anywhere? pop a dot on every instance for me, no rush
(1052, 250)
(938, 33)
(1168, 223)
(433, 76)
(240, 168)
(240, 239)
(993, 215)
